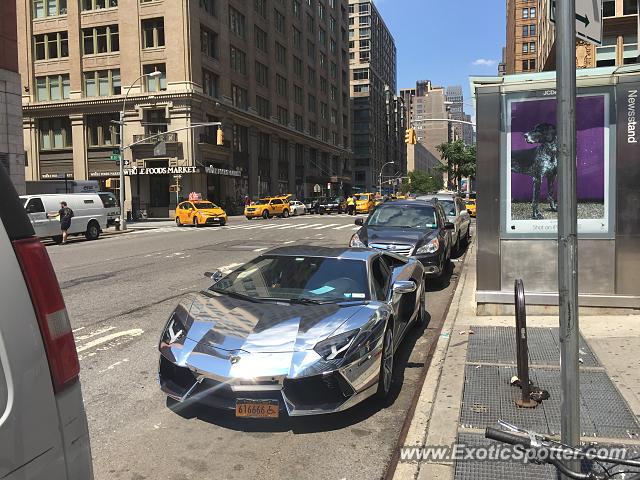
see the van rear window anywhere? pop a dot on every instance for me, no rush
(109, 201)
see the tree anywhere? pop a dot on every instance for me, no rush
(460, 161)
(421, 182)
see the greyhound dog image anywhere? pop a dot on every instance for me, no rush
(539, 163)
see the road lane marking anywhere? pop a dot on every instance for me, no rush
(135, 332)
(114, 365)
(287, 225)
(228, 268)
(77, 329)
(95, 333)
(326, 226)
(289, 242)
(302, 227)
(260, 249)
(342, 227)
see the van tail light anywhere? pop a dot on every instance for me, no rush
(50, 311)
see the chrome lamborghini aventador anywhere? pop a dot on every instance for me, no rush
(302, 330)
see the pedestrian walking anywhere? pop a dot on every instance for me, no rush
(65, 214)
(351, 205)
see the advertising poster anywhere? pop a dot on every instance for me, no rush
(532, 165)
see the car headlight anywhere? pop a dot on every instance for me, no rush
(175, 329)
(431, 247)
(356, 242)
(335, 348)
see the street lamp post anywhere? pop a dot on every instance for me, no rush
(380, 176)
(123, 222)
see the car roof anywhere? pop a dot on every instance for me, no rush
(326, 252)
(411, 203)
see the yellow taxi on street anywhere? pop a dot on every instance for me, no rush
(364, 202)
(268, 207)
(199, 213)
(470, 204)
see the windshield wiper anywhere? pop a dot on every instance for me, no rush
(235, 295)
(306, 301)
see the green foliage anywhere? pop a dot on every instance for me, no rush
(460, 161)
(422, 183)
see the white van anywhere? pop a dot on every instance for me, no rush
(89, 215)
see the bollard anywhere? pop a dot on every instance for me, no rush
(522, 347)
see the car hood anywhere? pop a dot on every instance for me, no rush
(228, 324)
(211, 211)
(399, 236)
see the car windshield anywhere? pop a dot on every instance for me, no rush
(404, 216)
(108, 200)
(262, 201)
(449, 207)
(364, 198)
(312, 279)
(204, 205)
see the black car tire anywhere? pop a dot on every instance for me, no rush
(385, 379)
(421, 321)
(223, 223)
(265, 214)
(93, 231)
(285, 213)
(249, 218)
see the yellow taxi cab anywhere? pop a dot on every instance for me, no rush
(198, 213)
(364, 202)
(268, 207)
(470, 204)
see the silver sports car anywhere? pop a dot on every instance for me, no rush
(306, 330)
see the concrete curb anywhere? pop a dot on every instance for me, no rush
(426, 412)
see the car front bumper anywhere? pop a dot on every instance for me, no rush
(432, 263)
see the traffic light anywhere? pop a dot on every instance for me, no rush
(112, 183)
(220, 136)
(410, 136)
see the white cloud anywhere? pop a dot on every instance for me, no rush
(483, 62)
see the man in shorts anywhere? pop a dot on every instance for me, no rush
(65, 214)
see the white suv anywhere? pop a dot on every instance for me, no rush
(43, 425)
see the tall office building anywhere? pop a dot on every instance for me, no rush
(274, 73)
(522, 36)
(455, 103)
(11, 144)
(377, 138)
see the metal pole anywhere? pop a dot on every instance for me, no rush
(123, 221)
(568, 224)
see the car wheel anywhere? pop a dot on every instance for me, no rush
(249, 218)
(285, 213)
(421, 321)
(386, 365)
(178, 222)
(93, 231)
(223, 223)
(265, 214)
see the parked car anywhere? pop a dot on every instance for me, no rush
(313, 204)
(457, 214)
(297, 208)
(268, 207)
(89, 214)
(199, 213)
(472, 208)
(333, 205)
(43, 425)
(364, 202)
(110, 202)
(303, 330)
(415, 229)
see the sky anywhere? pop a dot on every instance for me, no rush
(445, 41)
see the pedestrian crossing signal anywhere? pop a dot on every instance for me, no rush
(410, 136)
(220, 137)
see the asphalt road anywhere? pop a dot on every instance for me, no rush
(120, 291)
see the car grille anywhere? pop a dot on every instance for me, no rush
(391, 247)
(317, 391)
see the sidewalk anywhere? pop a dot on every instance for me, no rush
(467, 385)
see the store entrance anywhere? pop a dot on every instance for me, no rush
(159, 196)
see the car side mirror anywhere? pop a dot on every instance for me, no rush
(359, 222)
(449, 226)
(215, 276)
(404, 286)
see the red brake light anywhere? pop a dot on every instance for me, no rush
(50, 311)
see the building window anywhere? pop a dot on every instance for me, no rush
(52, 87)
(278, 20)
(51, 45)
(364, 57)
(332, 24)
(283, 116)
(532, 12)
(210, 83)
(156, 121)
(311, 49)
(263, 107)
(365, 20)
(313, 129)
(299, 122)
(361, 89)
(101, 83)
(297, 38)
(324, 85)
(532, 64)
(237, 22)
(297, 67)
(49, 8)
(525, 48)
(525, 13)
(261, 8)
(311, 76)
(322, 12)
(101, 131)
(311, 26)
(281, 86)
(363, 8)
(100, 40)
(209, 6)
(239, 97)
(261, 39)
(525, 30)
(208, 42)
(55, 133)
(324, 110)
(296, 8)
(157, 83)
(361, 74)
(334, 93)
(98, 4)
(298, 95)
(629, 7)
(262, 74)
(322, 36)
(238, 60)
(532, 47)
(334, 71)
(281, 54)
(532, 30)
(153, 33)
(609, 8)
(312, 103)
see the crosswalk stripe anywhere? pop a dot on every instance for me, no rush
(342, 227)
(302, 227)
(277, 226)
(326, 226)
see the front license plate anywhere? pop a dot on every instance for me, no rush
(257, 408)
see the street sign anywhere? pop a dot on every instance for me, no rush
(115, 157)
(588, 20)
(317, 188)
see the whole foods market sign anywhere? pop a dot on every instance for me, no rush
(162, 170)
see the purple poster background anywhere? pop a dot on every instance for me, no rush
(590, 117)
